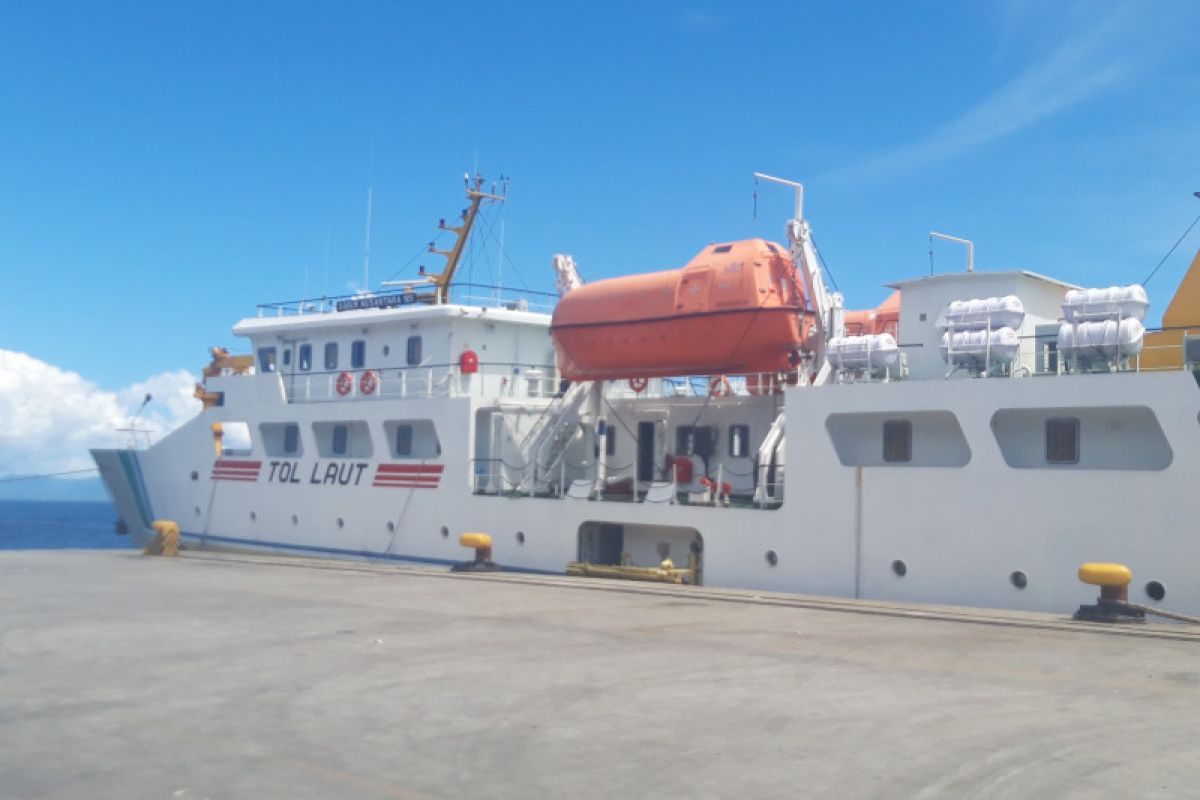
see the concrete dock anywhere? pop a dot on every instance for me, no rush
(213, 676)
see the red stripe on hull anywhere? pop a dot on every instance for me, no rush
(410, 468)
(393, 485)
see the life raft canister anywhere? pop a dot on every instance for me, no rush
(345, 382)
(468, 362)
(369, 382)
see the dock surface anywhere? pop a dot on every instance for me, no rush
(213, 676)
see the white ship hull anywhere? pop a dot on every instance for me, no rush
(962, 532)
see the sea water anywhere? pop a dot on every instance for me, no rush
(55, 525)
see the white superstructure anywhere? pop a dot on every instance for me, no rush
(386, 429)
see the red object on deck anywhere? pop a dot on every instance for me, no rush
(735, 308)
(468, 362)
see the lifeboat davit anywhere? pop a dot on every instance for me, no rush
(734, 309)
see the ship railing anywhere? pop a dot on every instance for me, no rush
(475, 294)
(741, 385)
(492, 380)
(566, 480)
(1164, 349)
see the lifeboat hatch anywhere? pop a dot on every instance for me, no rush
(642, 547)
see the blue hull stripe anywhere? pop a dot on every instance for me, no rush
(346, 553)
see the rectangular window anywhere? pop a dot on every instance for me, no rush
(358, 354)
(305, 357)
(610, 441)
(694, 440)
(897, 441)
(331, 355)
(739, 441)
(414, 351)
(234, 438)
(404, 440)
(291, 439)
(340, 436)
(287, 357)
(266, 359)
(1062, 440)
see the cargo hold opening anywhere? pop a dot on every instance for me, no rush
(633, 545)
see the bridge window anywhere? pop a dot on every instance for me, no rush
(897, 441)
(266, 359)
(331, 355)
(414, 351)
(305, 357)
(358, 353)
(1062, 440)
(739, 441)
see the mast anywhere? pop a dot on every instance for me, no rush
(476, 196)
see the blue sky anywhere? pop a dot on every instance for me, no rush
(165, 166)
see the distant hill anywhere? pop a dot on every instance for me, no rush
(60, 489)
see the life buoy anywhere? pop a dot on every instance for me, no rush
(369, 382)
(719, 387)
(345, 383)
(638, 384)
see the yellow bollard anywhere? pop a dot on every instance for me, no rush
(481, 543)
(165, 541)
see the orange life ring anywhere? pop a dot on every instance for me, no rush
(638, 384)
(369, 382)
(345, 383)
(719, 387)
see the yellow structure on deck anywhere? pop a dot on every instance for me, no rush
(1163, 350)
(166, 539)
(666, 572)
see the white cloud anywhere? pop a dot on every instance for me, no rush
(49, 417)
(1083, 65)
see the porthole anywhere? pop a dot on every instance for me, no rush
(445, 532)
(1155, 591)
(520, 537)
(391, 526)
(900, 568)
(1018, 579)
(772, 557)
(195, 475)
(341, 523)
(253, 517)
(295, 520)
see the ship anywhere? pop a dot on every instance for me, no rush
(971, 441)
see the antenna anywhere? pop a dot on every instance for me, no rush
(947, 237)
(367, 245)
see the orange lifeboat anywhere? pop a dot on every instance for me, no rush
(884, 319)
(734, 309)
